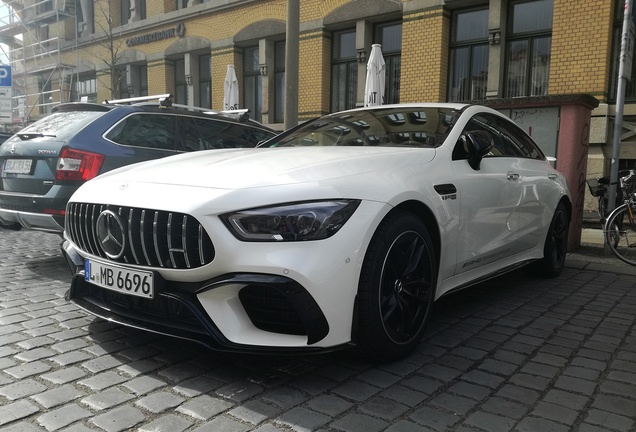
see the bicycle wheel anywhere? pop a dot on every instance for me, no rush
(620, 233)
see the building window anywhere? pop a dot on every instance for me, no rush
(121, 89)
(344, 71)
(180, 84)
(140, 9)
(390, 37)
(528, 48)
(138, 85)
(182, 4)
(43, 36)
(81, 21)
(125, 11)
(468, 56)
(205, 77)
(252, 83)
(45, 6)
(279, 82)
(46, 96)
(86, 90)
(143, 80)
(630, 87)
(85, 11)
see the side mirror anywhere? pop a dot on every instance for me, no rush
(478, 144)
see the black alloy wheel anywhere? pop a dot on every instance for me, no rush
(397, 288)
(556, 244)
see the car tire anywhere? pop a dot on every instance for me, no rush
(556, 244)
(396, 289)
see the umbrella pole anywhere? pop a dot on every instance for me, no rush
(291, 63)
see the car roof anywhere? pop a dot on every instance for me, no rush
(460, 107)
(448, 105)
(87, 106)
(162, 104)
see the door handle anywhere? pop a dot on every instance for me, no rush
(513, 176)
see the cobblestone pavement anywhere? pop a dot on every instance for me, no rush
(516, 353)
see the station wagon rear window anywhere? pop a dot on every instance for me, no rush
(58, 124)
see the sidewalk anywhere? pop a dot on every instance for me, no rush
(592, 254)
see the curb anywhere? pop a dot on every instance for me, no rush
(592, 256)
(617, 268)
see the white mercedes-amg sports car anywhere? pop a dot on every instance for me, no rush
(341, 232)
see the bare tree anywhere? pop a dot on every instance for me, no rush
(114, 46)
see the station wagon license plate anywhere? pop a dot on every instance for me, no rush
(18, 166)
(121, 279)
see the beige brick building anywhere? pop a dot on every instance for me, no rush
(451, 50)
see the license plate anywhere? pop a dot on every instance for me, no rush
(17, 166)
(121, 279)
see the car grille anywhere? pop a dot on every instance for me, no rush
(151, 238)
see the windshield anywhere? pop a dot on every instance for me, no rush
(404, 127)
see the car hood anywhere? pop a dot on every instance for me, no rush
(256, 168)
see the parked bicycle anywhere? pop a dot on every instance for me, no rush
(620, 225)
(599, 188)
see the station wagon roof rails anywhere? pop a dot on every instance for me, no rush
(242, 114)
(165, 100)
(194, 108)
(236, 111)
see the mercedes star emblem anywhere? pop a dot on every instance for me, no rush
(111, 234)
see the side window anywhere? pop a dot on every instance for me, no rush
(255, 135)
(508, 139)
(501, 146)
(145, 130)
(206, 134)
(482, 123)
(521, 142)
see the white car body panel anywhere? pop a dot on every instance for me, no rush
(512, 226)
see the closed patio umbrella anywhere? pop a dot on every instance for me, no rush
(374, 86)
(231, 90)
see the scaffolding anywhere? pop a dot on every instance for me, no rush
(36, 36)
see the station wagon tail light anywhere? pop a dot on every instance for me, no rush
(78, 165)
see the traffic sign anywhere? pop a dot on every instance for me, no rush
(6, 104)
(5, 76)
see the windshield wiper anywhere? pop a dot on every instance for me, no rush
(30, 135)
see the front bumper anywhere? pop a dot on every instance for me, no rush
(274, 309)
(255, 295)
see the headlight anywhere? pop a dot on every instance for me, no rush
(291, 222)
